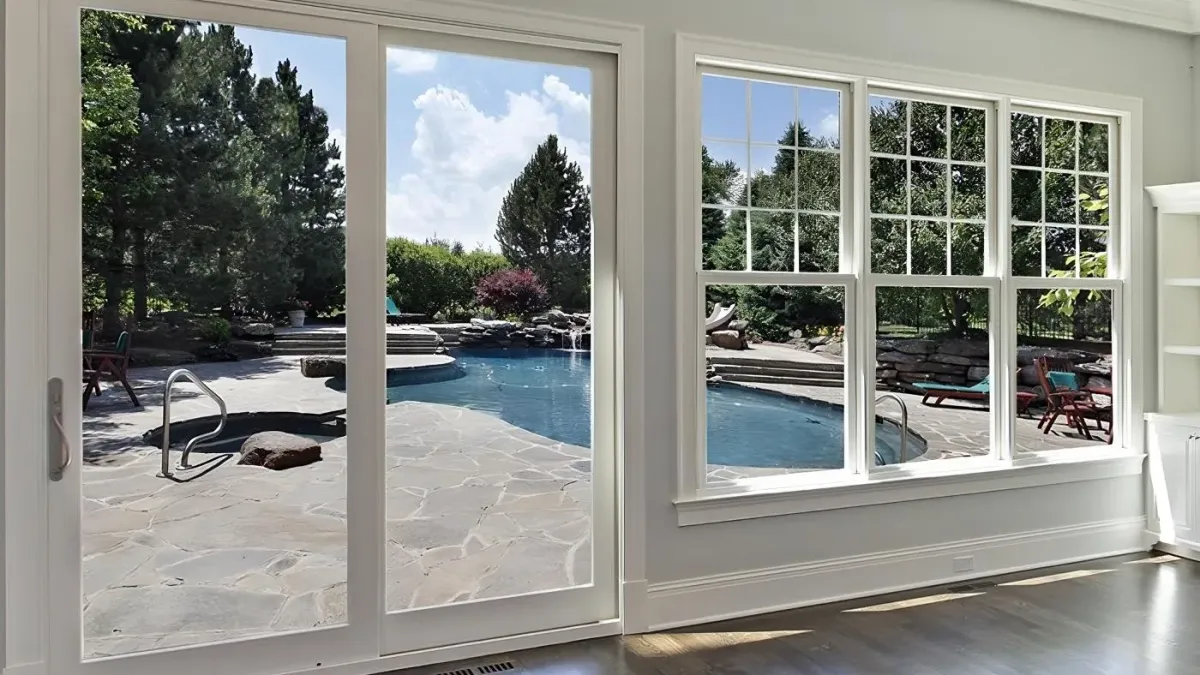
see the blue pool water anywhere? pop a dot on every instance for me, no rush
(548, 392)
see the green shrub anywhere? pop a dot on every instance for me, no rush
(215, 330)
(434, 279)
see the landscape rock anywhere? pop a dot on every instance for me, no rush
(1101, 368)
(833, 348)
(214, 354)
(916, 346)
(728, 339)
(259, 331)
(323, 366)
(1028, 376)
(929, 367)
(249, 349)
(977, 373)
(951, 358)
(146, 356)
(968, 348)
(899, 357)
(278, 450)
(1028, 355)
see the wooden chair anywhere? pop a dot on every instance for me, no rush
(1064, 398)
(114, 364)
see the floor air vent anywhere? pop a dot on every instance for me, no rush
(486, 669)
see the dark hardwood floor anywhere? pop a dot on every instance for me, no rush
(1130, 615)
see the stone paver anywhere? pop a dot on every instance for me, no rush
(476, 508)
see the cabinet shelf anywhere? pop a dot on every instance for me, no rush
(1183, 350)
(1182, 281)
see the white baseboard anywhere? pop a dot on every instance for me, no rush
(1181, 548)
(25, 669)
(727, 596)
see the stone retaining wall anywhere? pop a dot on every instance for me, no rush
(901, 362)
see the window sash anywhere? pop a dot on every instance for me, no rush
(860, 283)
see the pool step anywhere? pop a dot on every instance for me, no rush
(341, 351)
(827, 366)
(728, 370)
(776, 379)
(334, 343)
(778, 371)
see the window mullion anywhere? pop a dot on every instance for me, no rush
(860, 385)
(1003, 311)
(749, 180)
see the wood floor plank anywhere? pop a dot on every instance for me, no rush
(1123, 616)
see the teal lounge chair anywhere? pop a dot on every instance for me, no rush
(941, 392)
(393, 312)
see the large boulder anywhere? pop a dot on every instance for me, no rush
(728, 339)
(249, 349)
(254, 331)
(899, 357)
(278, 450)
(977, 373)
(967, 348)
(1028, 355)
(323, 366)
(1028, 376)
(1101, 368)
(916, 346)
(952, 359)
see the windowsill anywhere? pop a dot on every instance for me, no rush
(1051, 468)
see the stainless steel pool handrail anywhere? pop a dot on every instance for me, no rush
(166, 428)
(903, 424)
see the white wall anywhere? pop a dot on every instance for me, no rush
(988, 37)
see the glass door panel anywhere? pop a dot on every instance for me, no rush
(499, 269)
(201, 307)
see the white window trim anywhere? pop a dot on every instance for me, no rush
(699, 503)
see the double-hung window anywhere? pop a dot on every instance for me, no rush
(882, 280)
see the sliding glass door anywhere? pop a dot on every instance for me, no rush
(339, 301)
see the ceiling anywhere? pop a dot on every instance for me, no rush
(1181, 16)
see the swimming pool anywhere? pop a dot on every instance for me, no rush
(548, 392)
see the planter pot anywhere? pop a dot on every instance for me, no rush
(296, 316)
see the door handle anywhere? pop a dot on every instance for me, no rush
(58, 448)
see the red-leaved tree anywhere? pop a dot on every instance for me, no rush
(512, 292)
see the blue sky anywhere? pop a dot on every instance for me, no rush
(459, 127)
(736, 115)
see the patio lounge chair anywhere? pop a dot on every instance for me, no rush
(720, 317)
(1064, 398)
(393, 312)
(114, 364)
(941, 392)
(976, 392)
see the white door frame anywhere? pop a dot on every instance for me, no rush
(36, 105)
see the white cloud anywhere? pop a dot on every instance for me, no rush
(466, 159)
(339, 137)
(562, 93)
(409, 61)
(829, 126)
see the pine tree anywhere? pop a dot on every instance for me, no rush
(545, 224)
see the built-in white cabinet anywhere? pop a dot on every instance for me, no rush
(1173, 447)
(1173, 429)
